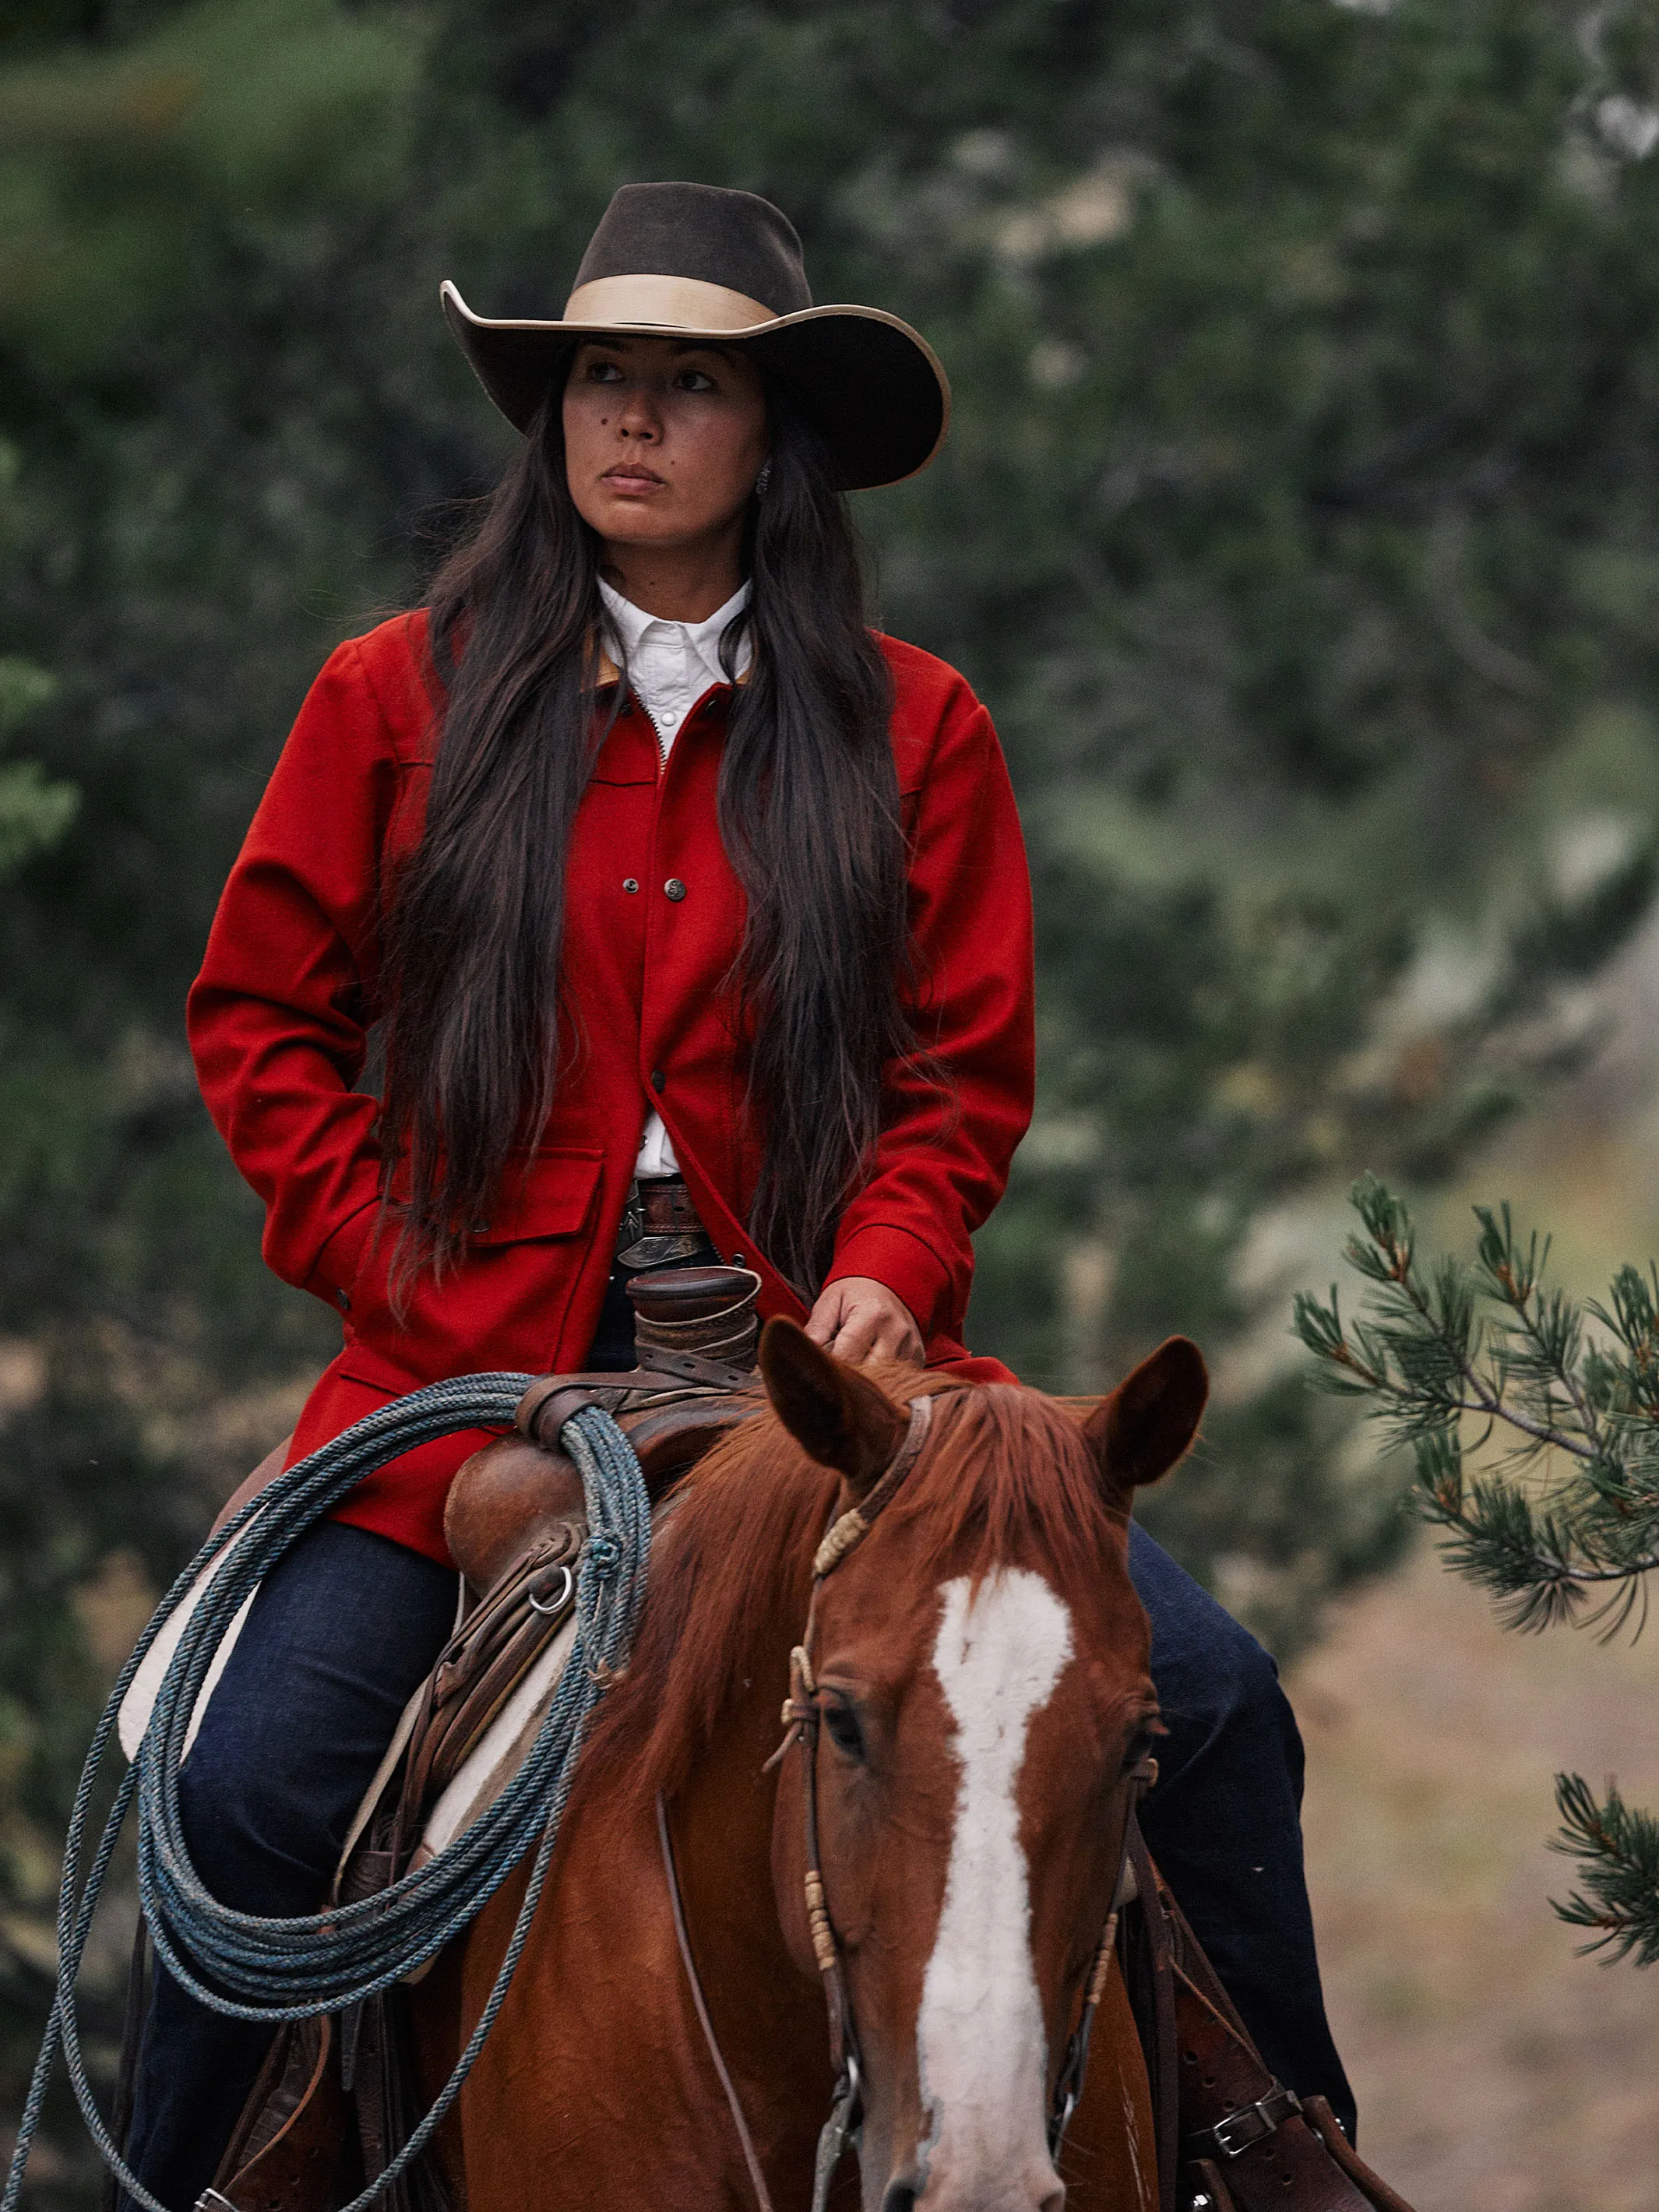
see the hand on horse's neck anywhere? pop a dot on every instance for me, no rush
(678, 583)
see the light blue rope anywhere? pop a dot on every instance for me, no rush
(280, 1970)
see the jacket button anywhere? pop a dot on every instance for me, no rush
(631, 882)
(342, 1299)
(659, 1080)
(674, 888)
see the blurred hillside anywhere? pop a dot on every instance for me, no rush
(1297, 523)
(1497, 2070)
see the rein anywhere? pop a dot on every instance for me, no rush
(802, 1720)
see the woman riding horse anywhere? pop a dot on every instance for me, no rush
(696, 920)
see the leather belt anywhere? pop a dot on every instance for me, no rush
(660, 1225)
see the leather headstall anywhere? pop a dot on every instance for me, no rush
(802, 1718)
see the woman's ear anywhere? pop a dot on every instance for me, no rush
(1140, 1431)
(837, 1416)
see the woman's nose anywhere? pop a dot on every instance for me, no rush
(640, 417)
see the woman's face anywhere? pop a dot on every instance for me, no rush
(663, 440)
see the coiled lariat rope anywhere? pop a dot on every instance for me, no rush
(279, 1970)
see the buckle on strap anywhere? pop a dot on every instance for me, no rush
(1251, 2123)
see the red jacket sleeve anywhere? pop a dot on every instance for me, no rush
(278, 1017)
(942, 1162)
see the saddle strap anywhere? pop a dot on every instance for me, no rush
(1246, 2142)
(1323, 2121)
(482, 1664)
(663, 1377)
(1150, 1978)
(1237, 2118)
(386, 2094)
(285, 2151)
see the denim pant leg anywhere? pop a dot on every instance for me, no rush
(344, 1629)
(1223, 1821)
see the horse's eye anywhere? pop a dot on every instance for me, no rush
(841, 1725)
(1139, 1749)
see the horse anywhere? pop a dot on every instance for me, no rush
(978, 1674)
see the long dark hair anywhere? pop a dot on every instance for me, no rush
(809, 812)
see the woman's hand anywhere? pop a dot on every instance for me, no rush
(858, 1318)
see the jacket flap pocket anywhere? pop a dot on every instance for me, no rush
(555, 1199)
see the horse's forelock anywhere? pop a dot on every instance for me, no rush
(1006, 1474)
(1010, 1477)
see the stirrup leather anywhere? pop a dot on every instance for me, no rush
(1250, 2124)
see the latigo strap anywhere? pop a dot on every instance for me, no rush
(1246, 2141)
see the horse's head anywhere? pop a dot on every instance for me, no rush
(979, 1673)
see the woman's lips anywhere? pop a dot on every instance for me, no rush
(631, 481)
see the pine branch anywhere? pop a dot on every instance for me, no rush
(1617, 1848)
(1435, 1351)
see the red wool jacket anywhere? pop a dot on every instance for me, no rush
(654, 915)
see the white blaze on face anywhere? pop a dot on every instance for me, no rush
(979, 2034)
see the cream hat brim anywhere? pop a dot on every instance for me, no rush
(872, 386)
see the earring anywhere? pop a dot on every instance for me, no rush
(763, 478)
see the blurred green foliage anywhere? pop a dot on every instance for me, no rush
(1296, 522)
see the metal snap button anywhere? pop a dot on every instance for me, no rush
(659, 1080)
(674, 888)
(631, 882)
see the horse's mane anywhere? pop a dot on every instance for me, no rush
(732, 1567)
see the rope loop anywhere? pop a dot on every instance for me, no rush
(254, 1967)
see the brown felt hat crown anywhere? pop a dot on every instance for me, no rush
(699, 261)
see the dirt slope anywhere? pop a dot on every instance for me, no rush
(1496, 2071)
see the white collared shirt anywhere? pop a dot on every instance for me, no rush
(670, 665)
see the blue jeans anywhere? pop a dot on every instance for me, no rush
(1223, 1821)
(348, 1623)
(345, 1628)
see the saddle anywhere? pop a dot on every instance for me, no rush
(1230, 2138)
(516, 1526)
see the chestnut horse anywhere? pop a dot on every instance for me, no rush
(982, 1680)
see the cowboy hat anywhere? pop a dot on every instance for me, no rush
(724, 268)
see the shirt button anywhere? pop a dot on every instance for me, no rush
(669, 718)
(631, 882)
(659, 1080)
(674, 888)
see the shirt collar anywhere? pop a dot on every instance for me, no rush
(631, 625)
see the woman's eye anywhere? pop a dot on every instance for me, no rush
(604, 372)
(841, 1725)
(695, 380)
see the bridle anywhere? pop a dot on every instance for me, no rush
(802, 1719)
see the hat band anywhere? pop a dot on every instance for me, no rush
(684, 303)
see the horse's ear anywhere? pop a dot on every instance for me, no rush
(837, 1415)
(1140, 1431)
